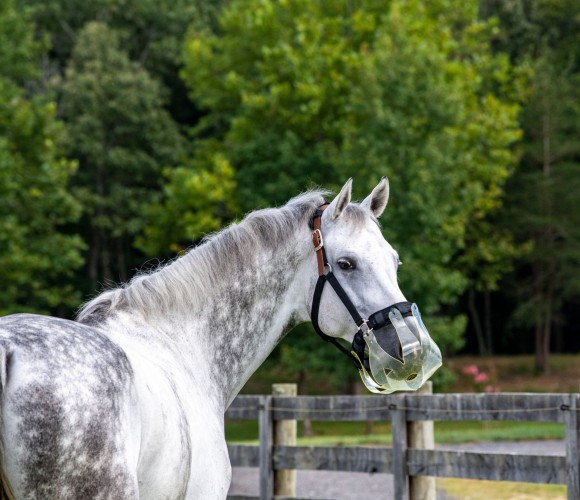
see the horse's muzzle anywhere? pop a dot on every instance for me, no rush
(395, 350)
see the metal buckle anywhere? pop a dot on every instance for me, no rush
(367, 329)
(317, 238)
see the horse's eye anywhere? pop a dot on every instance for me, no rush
(345, 264)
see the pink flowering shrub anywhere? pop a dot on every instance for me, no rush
(479, 379)
(471, 370)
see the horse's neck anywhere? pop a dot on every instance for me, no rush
(227, 331)
(250, 315)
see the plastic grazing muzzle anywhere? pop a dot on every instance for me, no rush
(420, 356)
(433, 359)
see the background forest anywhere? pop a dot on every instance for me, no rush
(130, 128)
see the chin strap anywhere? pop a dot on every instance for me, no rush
(325, 275)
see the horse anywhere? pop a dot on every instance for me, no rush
(128, 400)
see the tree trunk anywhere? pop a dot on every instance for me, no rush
(558, 338)
(487, 321)
(121, 262)
(543, 334)
(543, 288)
(546, 346)
(106, 260)
(539, 340)
(94, 258)
(540, 320)
(547, 334)
(476, 321)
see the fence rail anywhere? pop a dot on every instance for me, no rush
(406, 462)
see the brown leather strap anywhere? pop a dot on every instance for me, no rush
(329, 277)
(317, 240)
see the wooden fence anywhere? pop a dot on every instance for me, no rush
(401, 460)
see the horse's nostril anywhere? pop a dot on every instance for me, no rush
(411, 377)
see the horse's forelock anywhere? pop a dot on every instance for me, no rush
(356, 215)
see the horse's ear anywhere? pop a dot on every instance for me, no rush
(341, 201)
(376, 202)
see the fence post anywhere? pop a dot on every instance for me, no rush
(421, 434)
(266, 442)
(285, 432)
(572, 448)
(400, 476)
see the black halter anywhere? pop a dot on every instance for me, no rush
(378, 319)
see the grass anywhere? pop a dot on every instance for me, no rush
(462, 432)
(471, 489)
(354, 433)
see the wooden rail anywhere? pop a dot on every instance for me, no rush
(404, 461)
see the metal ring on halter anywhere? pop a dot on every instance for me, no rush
(327, 268)
(366, 325)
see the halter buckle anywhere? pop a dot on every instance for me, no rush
(317, 240)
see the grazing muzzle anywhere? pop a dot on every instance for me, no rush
(392, 349)
(416, 356)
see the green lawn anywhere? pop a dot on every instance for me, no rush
(472, 489)
(355, 433)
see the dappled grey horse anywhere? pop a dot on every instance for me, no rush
(129, 401)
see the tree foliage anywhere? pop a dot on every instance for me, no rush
(151, 33)
(114, 67)
(196, 199)
(543, 194)
(303, 93)
(121, 137)
(37, 257)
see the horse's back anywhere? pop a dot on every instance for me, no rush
(67, 408)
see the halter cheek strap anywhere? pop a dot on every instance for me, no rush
(325, 275)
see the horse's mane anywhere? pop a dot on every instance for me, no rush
(185, 280)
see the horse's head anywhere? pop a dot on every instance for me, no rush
(364, 304)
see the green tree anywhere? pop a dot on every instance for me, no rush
(302, 92)
(37, 256)
(542, 196)
(126, 111)
(122, 138)
(196, 199)
(151, 33)
(544, 204)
